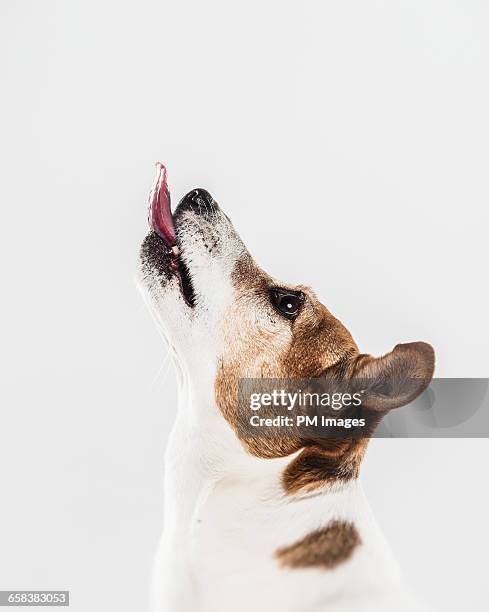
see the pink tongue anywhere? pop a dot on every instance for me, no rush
(161, 219)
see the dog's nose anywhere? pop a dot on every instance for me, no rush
(198, 199)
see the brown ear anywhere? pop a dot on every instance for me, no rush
(395, 379)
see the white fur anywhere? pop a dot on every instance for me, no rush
(225, 511)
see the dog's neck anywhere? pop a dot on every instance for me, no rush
(204, 456)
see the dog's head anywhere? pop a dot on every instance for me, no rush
(227, 319)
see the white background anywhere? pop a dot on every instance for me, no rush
(347, 140)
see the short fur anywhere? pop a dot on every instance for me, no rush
(251, 523)
(324, 548)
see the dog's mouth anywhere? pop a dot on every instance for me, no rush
(162, 222)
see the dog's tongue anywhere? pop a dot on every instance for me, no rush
(160, 216)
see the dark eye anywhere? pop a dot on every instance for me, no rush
(287, 302)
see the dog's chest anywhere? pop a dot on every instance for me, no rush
(228, 529)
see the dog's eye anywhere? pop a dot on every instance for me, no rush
(286, 302)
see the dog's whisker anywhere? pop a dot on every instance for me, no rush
(163, 369)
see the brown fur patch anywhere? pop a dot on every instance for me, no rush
(334, 461)
(324, 548)
(260, 343)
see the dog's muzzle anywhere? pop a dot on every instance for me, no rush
(199, 200)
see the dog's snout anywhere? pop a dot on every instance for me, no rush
(198, 199)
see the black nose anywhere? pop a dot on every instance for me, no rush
(199, 200)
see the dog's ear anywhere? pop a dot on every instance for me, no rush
(395, 379)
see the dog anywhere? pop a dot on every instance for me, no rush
(254, 524)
